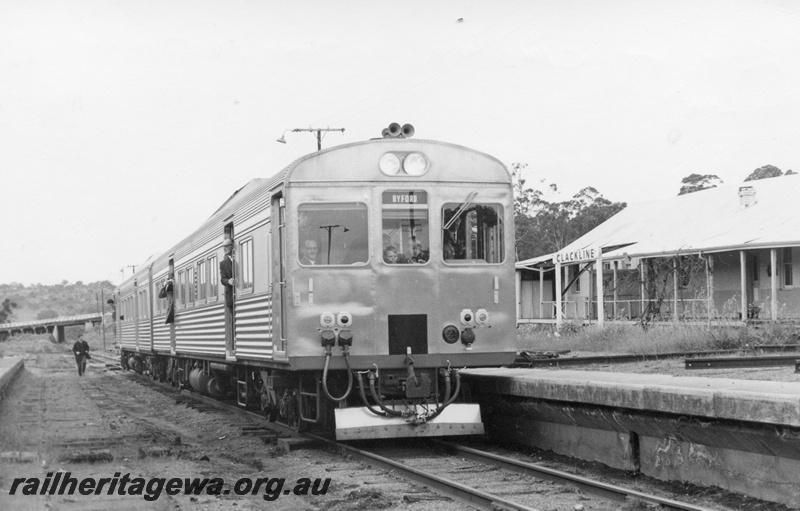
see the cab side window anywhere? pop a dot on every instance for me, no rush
(332, 234)
(472, 233)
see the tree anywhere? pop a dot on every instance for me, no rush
(544, 227)
(696, 182)
(525, 199)
(5, 311)
(764, 172)
(46, 314)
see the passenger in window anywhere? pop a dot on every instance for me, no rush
(390, 255)
(308, 252)
(449, 251)
(167, 293)
(418, 254)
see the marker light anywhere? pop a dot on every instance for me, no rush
(389, 164)
(415, 164)
(345, 319)
(481, 317)
(327, 319)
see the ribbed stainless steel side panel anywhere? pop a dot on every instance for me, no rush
(144, 334)
(254, 327)
(128, 335)
(201, 331)
(160, 334)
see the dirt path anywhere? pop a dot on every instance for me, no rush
(57, 420)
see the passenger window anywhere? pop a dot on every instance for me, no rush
(201, 280)
(181, 288)
(213, 277)
(472, 233)
(190, 285)
(406, 238)
(331, 234)
(246, 263)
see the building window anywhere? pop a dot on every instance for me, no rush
(213, 278)
(246, 263)
(755, 268)
(788, 278)
(686, 269)
(574, 277)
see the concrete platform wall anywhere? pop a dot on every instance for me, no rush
(745, 441)
(9, 368)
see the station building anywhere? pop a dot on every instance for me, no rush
(730, 253)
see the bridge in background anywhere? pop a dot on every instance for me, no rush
(54, 326)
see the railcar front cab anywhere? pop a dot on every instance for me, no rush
(411, 280)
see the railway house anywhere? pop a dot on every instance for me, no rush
(730, 253)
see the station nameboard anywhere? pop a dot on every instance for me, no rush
(573, 256)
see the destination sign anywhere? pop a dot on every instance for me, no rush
(412, 197)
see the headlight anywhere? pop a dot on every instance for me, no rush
(415, 164)
(389, 164)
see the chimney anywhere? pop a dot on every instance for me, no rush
(747, 197)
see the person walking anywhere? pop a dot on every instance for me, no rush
(81, 351)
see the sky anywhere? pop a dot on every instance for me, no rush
(125, 124)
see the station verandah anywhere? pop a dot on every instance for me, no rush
(726, 254)
(676, 288)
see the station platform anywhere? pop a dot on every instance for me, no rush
(714, 398)
(9, 367)
(741, 435)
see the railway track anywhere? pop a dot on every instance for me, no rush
(477, 478)
(555, 359)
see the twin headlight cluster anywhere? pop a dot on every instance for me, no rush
(469, 321)
(402, 163)
(336, 326)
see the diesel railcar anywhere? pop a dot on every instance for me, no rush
(365, 276)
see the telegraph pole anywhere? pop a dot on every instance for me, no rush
(317, 131)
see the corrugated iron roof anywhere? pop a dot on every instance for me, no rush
(712, 220)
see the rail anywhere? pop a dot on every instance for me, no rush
(470, 496)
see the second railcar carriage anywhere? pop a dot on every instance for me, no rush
(365, 276)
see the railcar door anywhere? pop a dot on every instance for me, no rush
(150, 296)
(135, 311)
(230, 295)
(279, 271)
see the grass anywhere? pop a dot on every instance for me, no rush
(631, 339)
